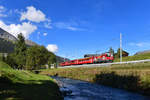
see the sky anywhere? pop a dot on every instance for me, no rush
(72, 28)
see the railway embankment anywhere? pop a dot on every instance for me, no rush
(131, 77)
(25, 85)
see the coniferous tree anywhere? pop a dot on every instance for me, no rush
(20, 52)
(111, 50)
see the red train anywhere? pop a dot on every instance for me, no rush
(103, 58)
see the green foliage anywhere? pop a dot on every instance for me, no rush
(33, 57)
(10, 60)
(52, 59)
(38, 56)
(2, 58)
(20, 52)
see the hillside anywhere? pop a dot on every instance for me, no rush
(141, 56)
(61, 59)
(6, 46)
(7, 42)
(142, 52)
(25, 85)
(7, 36)
(30, 43)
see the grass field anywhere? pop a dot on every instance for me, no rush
(132, 77)
(134, 57)
(25, 85)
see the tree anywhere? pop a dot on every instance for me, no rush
(52, 59)
(36, 57)
(20, 52)
(10, 60)
(111, 50)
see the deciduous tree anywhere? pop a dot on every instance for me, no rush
(37, 56)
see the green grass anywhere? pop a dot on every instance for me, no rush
(25, 85)
(132, 77)
(135, 57)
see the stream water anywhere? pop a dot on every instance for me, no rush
(81, 90)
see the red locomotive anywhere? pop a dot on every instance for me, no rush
(103, 58)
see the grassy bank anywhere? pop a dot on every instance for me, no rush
(134, 57)
(25, 85)
(132, 77)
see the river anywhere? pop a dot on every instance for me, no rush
(81, 90)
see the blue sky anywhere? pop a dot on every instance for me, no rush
(72, 28)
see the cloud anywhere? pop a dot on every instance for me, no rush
(52, 48)
(48, 24)
(72, 28)
(68, 26)
(140, 44)
(26, 28)
(32, 14)
(2, 10)
(45, 34)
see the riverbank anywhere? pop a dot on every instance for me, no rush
(25, 85)
(132, 77)
(81, 90)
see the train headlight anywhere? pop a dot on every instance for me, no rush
(103, 57)
(95, 59)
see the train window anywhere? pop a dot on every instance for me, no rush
(108, 54)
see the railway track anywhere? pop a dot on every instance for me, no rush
(105, 64)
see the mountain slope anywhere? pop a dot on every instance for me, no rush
(7, 36)
(7, 42)
(6, 46)
(143, 52)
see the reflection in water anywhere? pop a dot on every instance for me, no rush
(80, 90)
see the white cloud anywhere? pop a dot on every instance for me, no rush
(2, 10)
(3, 15)
(52, 47)
(48, 24)
(32, 14)
(72, 28)
(69, 26)
(45, 34)
(26, 28)
(140, 44)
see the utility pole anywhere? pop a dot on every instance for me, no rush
(120, 47)
(64, 59)
(97, 52)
